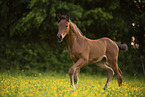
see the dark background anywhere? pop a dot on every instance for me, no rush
(28, 31)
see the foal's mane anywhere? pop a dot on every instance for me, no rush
(78, 30)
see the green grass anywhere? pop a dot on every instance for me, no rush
(35, 84)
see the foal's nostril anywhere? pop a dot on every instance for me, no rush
(60, 37)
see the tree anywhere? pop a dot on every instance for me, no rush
(36, 20)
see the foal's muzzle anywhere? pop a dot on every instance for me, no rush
(59, 37)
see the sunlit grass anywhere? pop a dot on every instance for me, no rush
(57, 85)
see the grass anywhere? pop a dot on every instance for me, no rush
(35, 84)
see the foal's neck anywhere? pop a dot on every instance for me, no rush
(74, 29)
(74, 35)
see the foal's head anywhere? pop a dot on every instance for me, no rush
(63, 26)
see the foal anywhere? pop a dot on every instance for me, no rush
(102, 52)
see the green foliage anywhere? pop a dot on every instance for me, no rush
(32, 55)
(40, 56)
(97, 14)
(41, 15)
(25, 22)
(129, 63)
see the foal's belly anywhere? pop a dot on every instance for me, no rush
(96, 59)
(97, 52)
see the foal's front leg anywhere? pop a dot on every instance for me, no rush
(80, 63)
(76, 76)
(71, 73)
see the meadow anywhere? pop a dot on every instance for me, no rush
(52, 84)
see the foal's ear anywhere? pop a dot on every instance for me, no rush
(59, 16)
(67, 17)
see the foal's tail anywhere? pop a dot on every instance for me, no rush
(122, 47)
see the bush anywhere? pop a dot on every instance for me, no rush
(31, 55)
(39, 55)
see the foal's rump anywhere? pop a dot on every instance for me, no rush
(122, 47)
(111, 49)
(105, 47)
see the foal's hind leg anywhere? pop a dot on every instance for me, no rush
(120, 71)
(103, 65)
(117, 70)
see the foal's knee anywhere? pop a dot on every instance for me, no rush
(112, 72)
(71, 71)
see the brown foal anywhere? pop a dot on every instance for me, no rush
(102, 52)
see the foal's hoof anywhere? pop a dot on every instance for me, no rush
(105, 88)
(72, 86)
